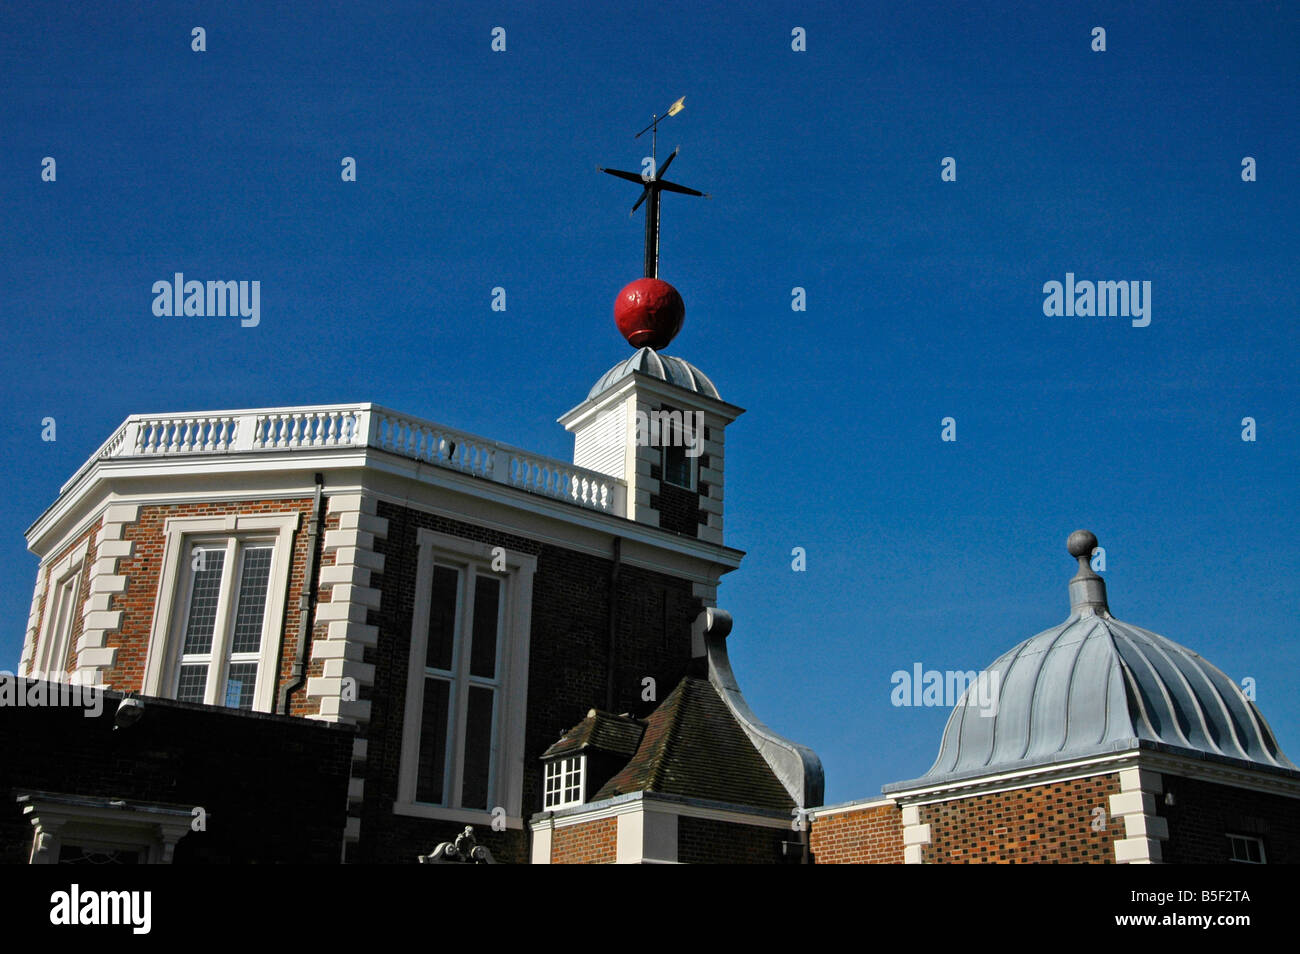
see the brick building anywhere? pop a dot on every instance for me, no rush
(457, 603)
(532, 648)
(1106, 743)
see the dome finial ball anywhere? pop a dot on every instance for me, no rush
(649, 312)
(1081, 543)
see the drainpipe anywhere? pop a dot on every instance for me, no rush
(306, 602)
(611, 657)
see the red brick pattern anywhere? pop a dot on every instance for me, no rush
(142, 570)
(1040, 824)
(590, 843)
(866, 836)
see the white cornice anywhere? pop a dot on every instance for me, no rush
(640, 381)
(634, 802)
(1206, 770)
(844, 807)
(400, 480)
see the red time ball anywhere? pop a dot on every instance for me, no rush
(649, 313)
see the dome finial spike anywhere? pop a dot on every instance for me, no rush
(1087, 589)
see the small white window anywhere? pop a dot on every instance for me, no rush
(1247, 849)
(564, 782)
(679, 468)
(675, 433)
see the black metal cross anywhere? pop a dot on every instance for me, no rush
(653, 185)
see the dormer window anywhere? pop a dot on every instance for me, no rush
(576, 768)
(564, 782)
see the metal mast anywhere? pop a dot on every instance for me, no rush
(652, 185)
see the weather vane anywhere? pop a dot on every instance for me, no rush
(653, 184)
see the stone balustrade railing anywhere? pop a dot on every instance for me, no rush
(360, 425)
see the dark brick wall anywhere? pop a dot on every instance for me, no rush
(274, 788)
(567, 667)
(679, 509)
(1041, 824)
(1204, 813)
(705, 841)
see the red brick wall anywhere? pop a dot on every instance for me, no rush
(299, 703)
(1041, 824)
(83, 594)
(591, 843)
(866, 836)
(142, 570)
(1204, 813)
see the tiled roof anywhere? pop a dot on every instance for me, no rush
(694, 747)
(617, 734)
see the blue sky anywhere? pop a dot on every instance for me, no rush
(476, 169)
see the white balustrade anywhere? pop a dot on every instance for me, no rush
(304, 428)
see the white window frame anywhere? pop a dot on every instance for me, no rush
(63, 601)
(162, 664)
(1263, 858)
(506, 773)
(568, 772)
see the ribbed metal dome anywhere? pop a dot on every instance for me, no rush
(1094, 685)
(662, 366)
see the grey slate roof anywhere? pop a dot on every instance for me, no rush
(662, 366)
(1093, 685)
